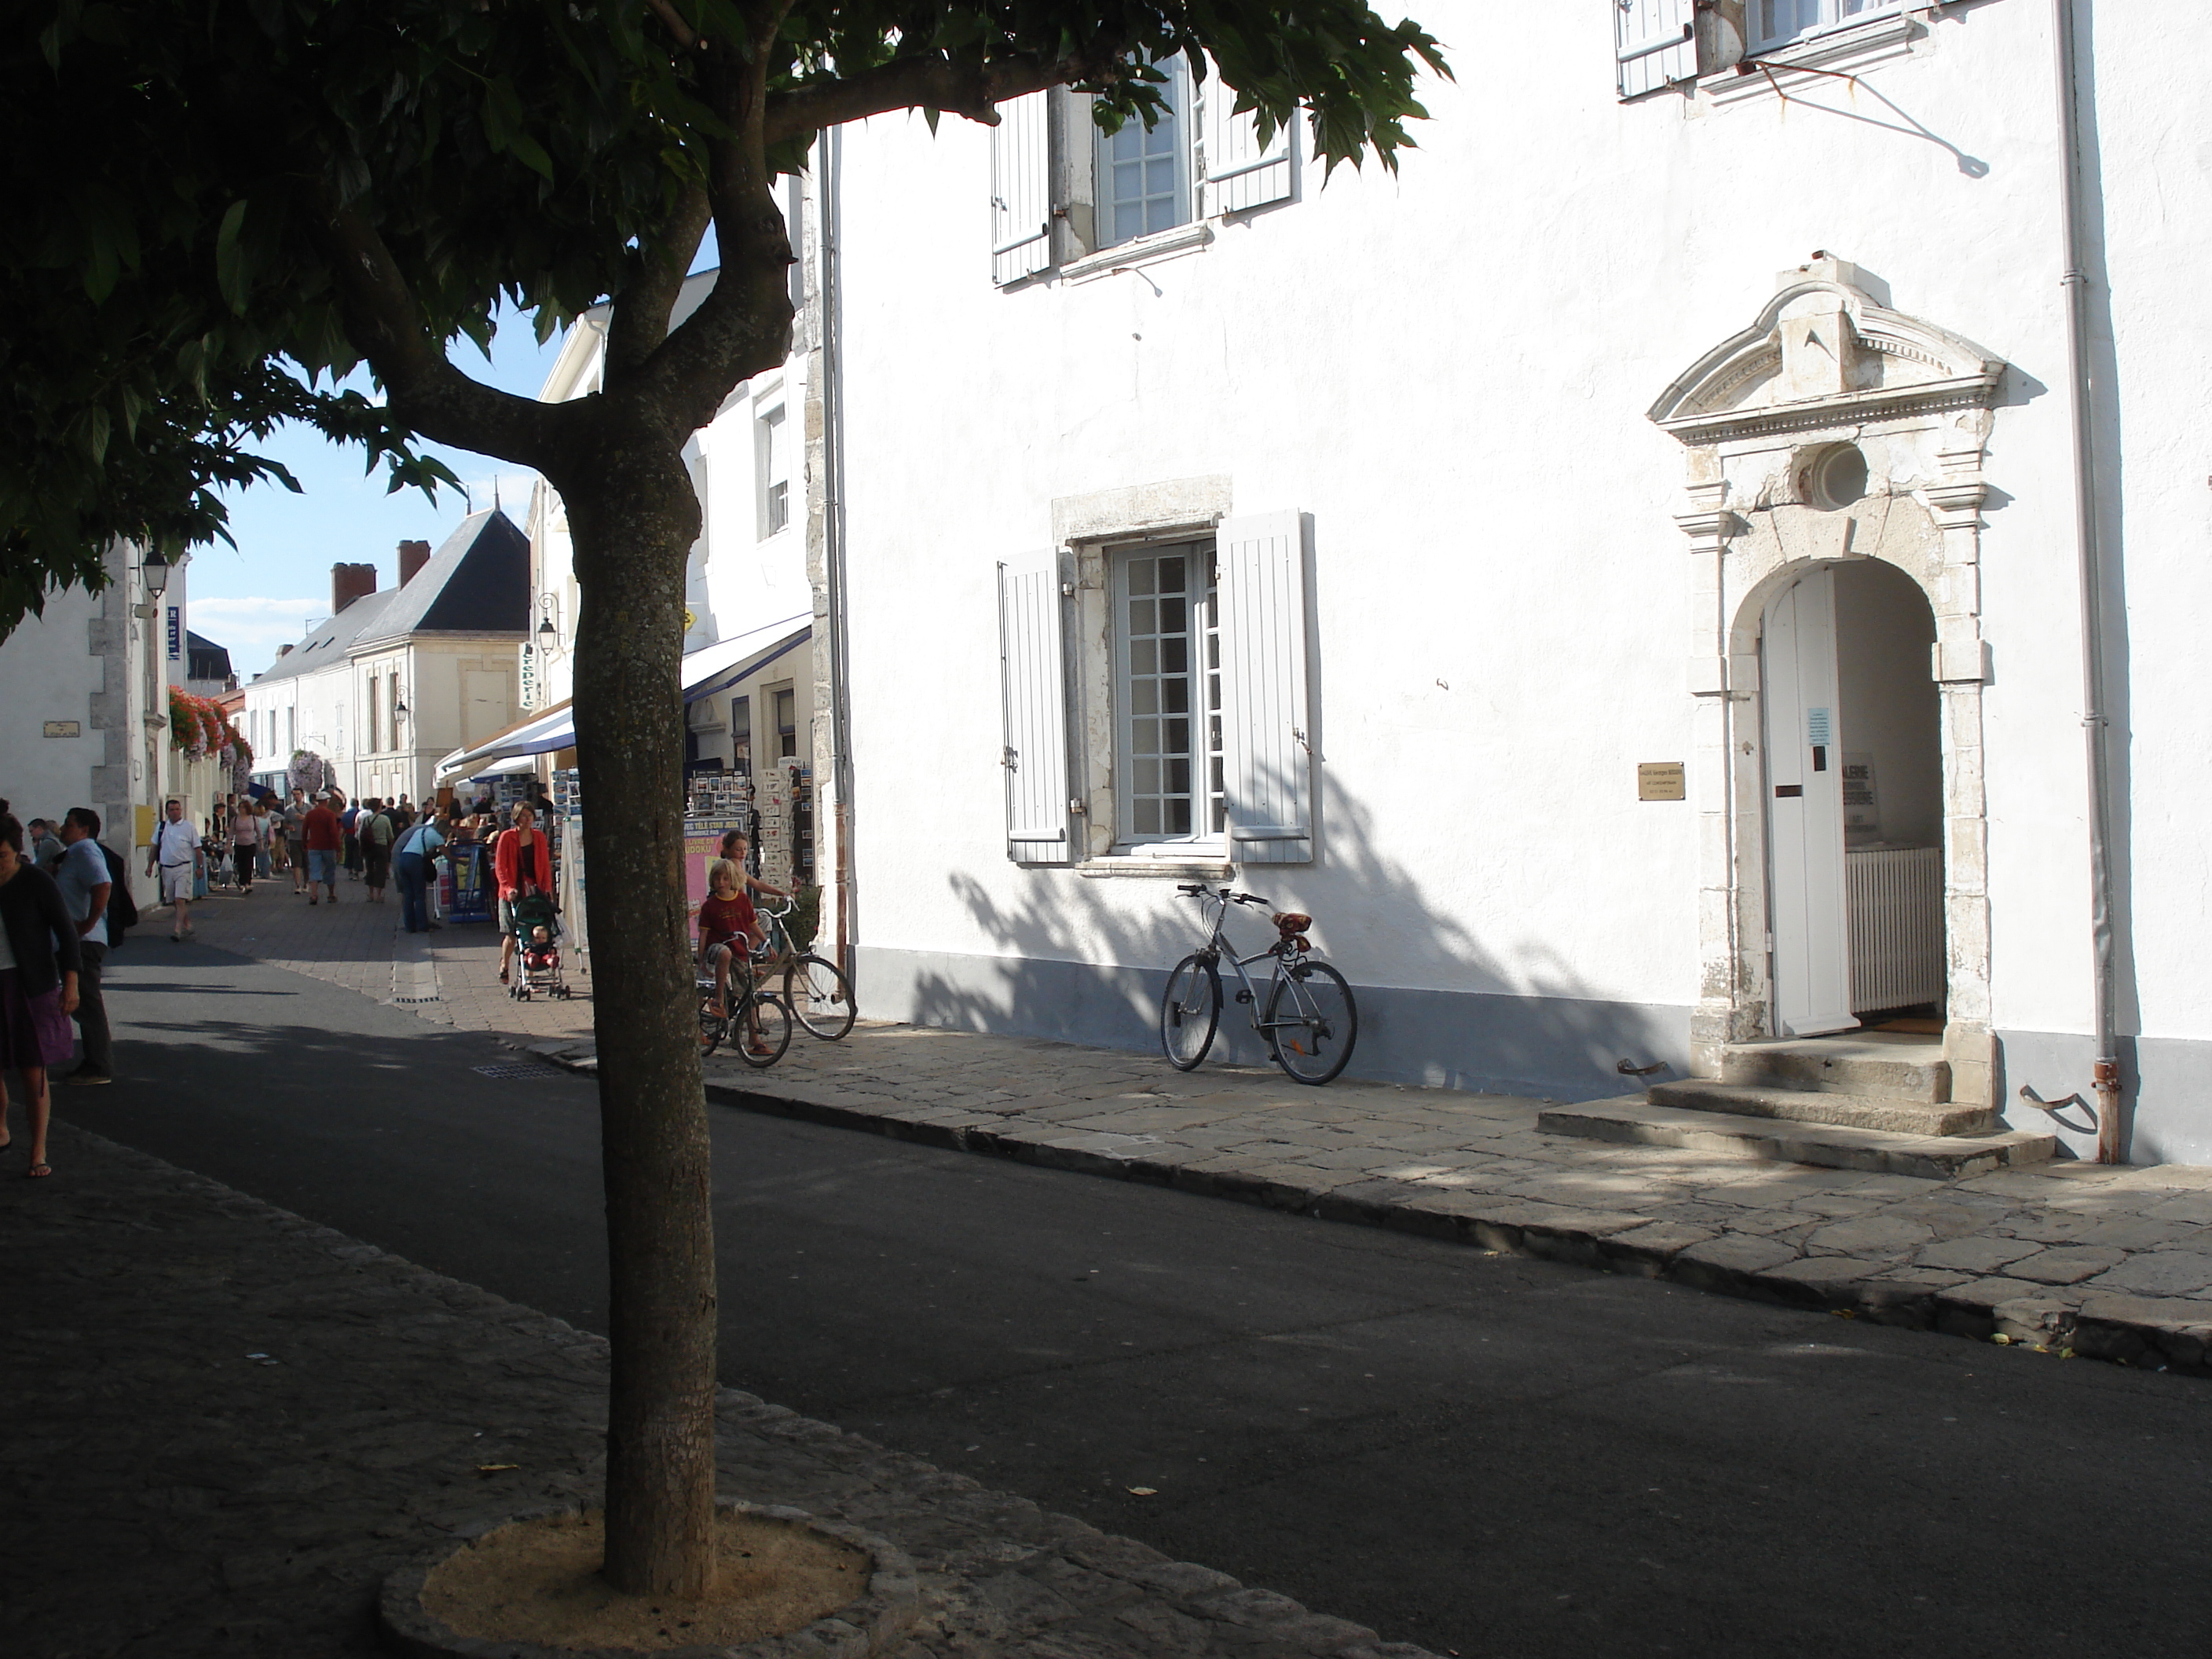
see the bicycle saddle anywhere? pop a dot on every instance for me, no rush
(1292, 922)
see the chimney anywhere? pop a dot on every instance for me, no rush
(413, 555)
(349, 582)
(283, 650)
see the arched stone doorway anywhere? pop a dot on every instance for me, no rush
(1778, 422)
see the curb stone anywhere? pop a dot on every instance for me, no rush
(2152, 1333)
(992, 1573)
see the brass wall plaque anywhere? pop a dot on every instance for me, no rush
(65, 729)
(1660, 781)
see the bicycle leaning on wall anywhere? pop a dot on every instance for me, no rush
(1308, 1018)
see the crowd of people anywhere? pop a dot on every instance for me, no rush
(65, 900)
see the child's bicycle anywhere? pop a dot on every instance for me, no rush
(1308, 1018)
(756, 1022)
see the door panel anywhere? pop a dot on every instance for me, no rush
(1806, 901)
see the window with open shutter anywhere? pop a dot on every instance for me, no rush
(1035, 700)
(1241, 172)
(1654, 43)
(1021, 189)
(1267, 766)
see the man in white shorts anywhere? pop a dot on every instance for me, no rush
(176, 845)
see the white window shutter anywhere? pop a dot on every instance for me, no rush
(1035, 701)
(1654, 42)
(1240, 172)
(1267, 761)
(1021, 189)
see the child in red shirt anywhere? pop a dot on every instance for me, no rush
(728, 924)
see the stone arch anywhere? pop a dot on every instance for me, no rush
(1826, 362)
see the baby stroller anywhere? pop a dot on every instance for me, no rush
(536, 949)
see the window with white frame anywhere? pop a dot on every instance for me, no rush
(1197, 651)
(1168, 693)
(1142, 174)
(772, 466)
(1773, 23)
(1062, 190)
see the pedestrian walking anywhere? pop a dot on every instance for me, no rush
(411, 864)
(172, 858)
(245, 844)
(39, 965)
(349, 824)
(375, 831)
(296, 837)
(323, 834)
(87, 890)
(521, 863)
(264, 855)
(44, 844)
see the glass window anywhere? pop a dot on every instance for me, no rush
(772, 457)
(741, 736)
(1777, 22)
(1170, 649)
(1144, 173)
(787, 724)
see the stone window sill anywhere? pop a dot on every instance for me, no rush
(1196, 868)
(1145, 250)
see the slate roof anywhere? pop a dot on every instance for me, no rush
(328, 644)
(477, 582)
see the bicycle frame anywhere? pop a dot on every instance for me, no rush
(1218, 948)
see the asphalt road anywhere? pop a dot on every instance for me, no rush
(1483, 1455)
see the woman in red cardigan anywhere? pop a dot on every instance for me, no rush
(521, 863)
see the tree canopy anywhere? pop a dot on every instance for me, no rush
(225, 208)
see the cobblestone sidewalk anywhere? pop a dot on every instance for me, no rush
(2074, 1257)
(226, 1424)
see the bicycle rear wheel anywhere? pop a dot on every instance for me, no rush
(1189, 1012)
(821, 996)
(1311, 1020)
(761, 1039)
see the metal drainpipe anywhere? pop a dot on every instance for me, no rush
(830, 192)
(2095, 723)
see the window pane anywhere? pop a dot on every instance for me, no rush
(1175, 696)
(1140, 575)
(1145, 775)
(1144, 696)
(1144, 656)
(1175, 655)
(1173, 615)
(1143, 616)
(1174, 737)
(1178, 777)
(1171, 571)
(1178, 814)
(1146, 814)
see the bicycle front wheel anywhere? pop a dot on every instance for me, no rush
(1311, 1020)
(713, 1028)
(1189, 1012)
(821, 996)
(762, 1031)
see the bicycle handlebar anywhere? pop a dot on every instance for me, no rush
(1197, 890)
(1252, 898)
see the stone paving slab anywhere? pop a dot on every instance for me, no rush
(227, 1424)
(1449, 1164)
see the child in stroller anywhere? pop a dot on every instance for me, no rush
(537, 927)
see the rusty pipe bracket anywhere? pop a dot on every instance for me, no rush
(1630, 1068)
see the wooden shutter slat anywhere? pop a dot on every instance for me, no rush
(1241, 173)
(1654, 45)
(1021, 189)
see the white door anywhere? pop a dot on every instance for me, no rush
(1805, 812)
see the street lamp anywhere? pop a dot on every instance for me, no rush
(156, 570)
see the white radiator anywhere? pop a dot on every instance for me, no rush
(1896, 898)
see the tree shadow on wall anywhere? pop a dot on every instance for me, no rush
(1078, 962)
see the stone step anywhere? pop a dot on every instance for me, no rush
(1887, 1065)
(1891, 1116)
(1832, 1146)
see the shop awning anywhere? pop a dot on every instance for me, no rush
(710, 669)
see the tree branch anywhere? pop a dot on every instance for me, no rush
(428, 393)
(685, 35)
(972, 89)
(639, 322)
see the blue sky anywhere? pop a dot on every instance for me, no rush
(260, 595)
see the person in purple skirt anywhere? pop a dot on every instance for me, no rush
(39, 967)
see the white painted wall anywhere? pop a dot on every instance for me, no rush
(1447, 369)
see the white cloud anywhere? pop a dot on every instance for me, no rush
(253, 628)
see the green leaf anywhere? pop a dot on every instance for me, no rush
(230, 259)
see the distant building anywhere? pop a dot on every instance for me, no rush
(392, 680)
(208, 673)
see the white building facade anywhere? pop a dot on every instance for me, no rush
(1621, 649)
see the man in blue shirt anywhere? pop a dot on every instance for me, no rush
(82, 876)
(410, 865)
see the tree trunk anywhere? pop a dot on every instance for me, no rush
(633, 517)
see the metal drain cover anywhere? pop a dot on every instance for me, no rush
(514, 1068)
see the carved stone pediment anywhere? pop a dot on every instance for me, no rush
(1823, 353)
